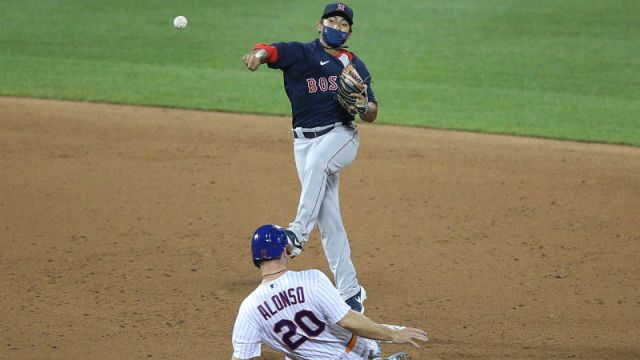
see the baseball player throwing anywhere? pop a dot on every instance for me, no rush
(302, 315)
(327, 86)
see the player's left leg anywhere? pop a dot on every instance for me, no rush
(335, 241)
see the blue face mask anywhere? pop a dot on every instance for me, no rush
(334, 38)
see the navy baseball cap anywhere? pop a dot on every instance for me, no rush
(339, 9)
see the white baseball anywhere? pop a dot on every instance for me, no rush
(180, 22)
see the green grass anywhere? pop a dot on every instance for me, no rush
(565, 69)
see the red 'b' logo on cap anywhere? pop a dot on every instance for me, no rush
(341, 7)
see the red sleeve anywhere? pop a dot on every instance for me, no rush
(272, 52)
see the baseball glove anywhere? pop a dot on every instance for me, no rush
(352, 91)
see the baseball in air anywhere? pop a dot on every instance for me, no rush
(180, 22)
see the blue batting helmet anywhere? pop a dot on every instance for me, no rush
(268, 243)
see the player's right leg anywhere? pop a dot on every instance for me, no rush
(295, 232)
(326, 155)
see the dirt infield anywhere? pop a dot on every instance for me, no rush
(125, 234)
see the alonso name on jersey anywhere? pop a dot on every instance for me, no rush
(280, 301)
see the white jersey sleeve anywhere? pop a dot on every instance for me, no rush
(328, 299)
(246, 335)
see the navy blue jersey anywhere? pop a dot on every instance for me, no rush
(311, 78)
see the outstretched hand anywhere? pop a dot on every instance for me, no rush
(409, 335)
(253, 59)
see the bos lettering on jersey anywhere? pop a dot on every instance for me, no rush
(323, 83)
(311, 78)
(280, 301)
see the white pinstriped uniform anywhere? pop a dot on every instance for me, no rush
(296, 314)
